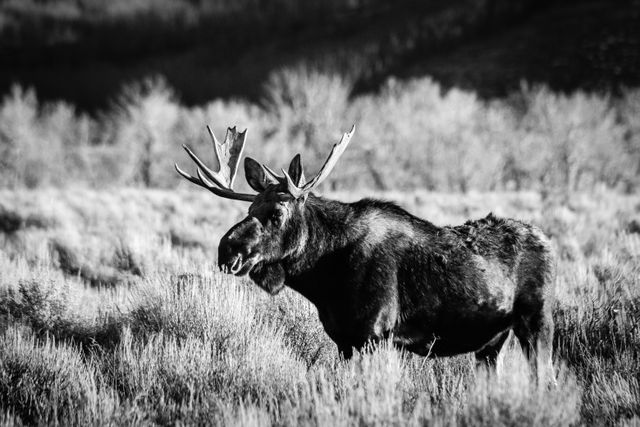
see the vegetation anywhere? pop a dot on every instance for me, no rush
(112, 311)
(409, 135)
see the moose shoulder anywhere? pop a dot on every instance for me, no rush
(374, 271)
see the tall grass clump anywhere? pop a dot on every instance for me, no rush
(49, 382)
(40, 306)
(514, 398)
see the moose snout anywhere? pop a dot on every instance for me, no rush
(238, 248)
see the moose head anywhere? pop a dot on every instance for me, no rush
(274, 227)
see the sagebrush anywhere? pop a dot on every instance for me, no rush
(155, 334)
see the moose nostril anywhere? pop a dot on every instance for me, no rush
(231, 254)
(236, 265)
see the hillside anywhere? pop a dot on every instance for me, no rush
(589, 44)
(84, 51)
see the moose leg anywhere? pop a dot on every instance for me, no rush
(535, 334)
(365, 345)
(488, 355)
(544, 359)
(532, 308)
(345, 351)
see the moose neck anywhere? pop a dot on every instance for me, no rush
(328, 226)
(333, 236)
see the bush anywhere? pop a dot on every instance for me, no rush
(46, 382)
(410, 135)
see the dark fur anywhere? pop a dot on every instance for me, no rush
(435, 290)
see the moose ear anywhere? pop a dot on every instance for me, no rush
(255, 175)
(295, 171)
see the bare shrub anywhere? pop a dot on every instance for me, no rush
(142, 125)
(39, 144)
(18, 116)
(577, 137)
(411, 134)
(412, 130)
(307, 110)
(628, 110)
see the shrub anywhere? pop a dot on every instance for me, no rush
(47, 382)
(411, 134)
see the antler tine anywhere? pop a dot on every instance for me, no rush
(331, 161)
(222, 192)
(292, 188)
(186, 175)
(230, 151)
(228, 156)
(214, 176)
(273, 175)
(216, 145)
(336, 151)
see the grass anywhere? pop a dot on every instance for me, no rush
(172, 340)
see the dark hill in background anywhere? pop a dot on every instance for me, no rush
(85, 50)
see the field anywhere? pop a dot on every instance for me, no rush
(112, 310)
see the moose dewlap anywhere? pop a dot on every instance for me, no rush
(374, 271)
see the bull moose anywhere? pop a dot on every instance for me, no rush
(375, 271)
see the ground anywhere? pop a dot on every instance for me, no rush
(112, 310)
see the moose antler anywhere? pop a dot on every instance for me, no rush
(227, 156)
(300, 189)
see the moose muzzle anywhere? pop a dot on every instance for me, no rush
(238, 251)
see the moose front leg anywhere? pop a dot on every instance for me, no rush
(269, 277)
(345, 350)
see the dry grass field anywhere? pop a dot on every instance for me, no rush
(112, 308)
(112, 311)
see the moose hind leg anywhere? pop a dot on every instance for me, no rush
(534, 330)
(532, 308)
(488, 355)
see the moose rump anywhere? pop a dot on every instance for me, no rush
(461, 289)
